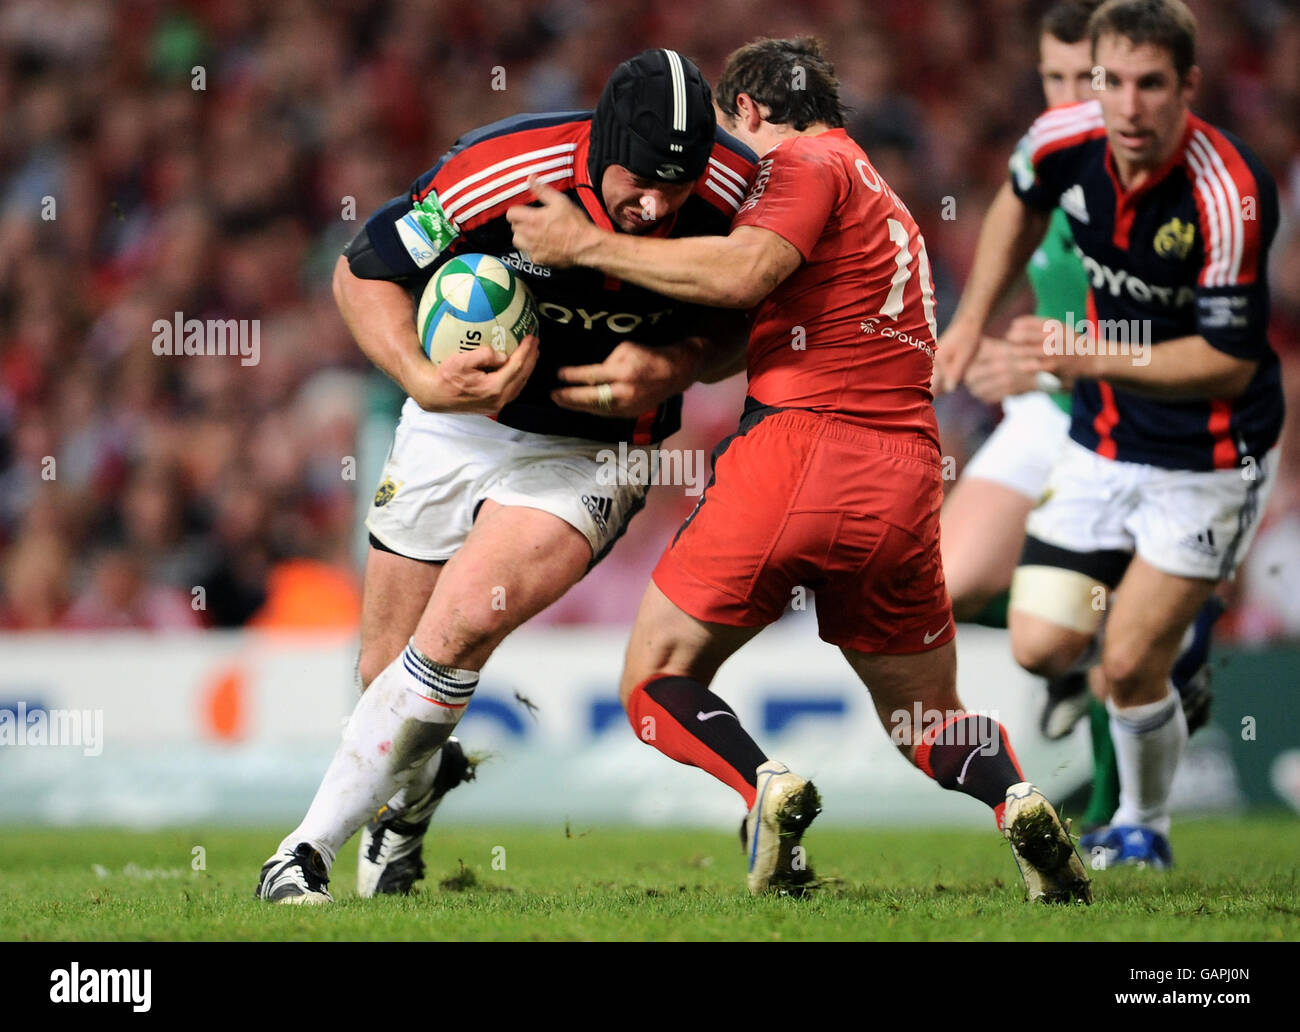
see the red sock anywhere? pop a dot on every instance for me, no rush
(666, 712)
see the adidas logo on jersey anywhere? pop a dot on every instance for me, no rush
(1072, 203)
(600, 507)
(518, 261)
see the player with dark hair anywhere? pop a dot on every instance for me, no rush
(1177, 404)
(832, 480)
(494, 481)
(985, 511)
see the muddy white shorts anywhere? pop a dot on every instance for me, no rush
(442, 466)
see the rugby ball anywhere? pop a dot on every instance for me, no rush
(473, 300)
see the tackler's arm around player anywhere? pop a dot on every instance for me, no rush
(636, 378)
(735, 271)
(381, 317)
(1186, 369)
(633, 379)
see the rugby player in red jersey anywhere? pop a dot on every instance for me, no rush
(831, 482)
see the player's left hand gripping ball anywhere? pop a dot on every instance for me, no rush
(551, 232)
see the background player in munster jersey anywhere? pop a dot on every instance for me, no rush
(1172, 448)
(984, 513)
(492, 488)
(831, 482)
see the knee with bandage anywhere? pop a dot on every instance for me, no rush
(1059, 601)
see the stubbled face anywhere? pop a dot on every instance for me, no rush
(637, 205)
(1066, 70)
(1144, 103)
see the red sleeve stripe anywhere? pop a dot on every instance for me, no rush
(492, 188)
(727, 198)
(498, 200)
(1065, 113)
(1056, 130)
(1223, 177)
(446, 195)
(727, 191)
(716, 167)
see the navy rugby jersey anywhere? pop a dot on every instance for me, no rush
(1187, 250)
(584, 313)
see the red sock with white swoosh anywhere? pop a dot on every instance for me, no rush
(971, 753)
(688, 723)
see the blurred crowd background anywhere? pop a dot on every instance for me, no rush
(189, 492)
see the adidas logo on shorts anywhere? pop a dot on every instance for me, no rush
(600, 507)
(1202, 542)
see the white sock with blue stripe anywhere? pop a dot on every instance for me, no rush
(1149, 740)
(401, 720)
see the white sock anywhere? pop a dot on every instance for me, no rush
(1149, 739)
(404, 717)
(420, 783)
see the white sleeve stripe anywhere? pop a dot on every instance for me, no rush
(1068, 112)
(730, 172)
(1236, 220)
(729, 198)
(565, 161)
(1086, 118)
(445, 195)
(519, 188)
(1042, 138)
(728, 186)
(1214, 268)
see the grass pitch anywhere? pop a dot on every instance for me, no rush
(1234, 880)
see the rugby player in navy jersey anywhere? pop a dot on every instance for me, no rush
(1177, 403)
(493, 481)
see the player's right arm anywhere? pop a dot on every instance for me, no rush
(1014, 226)
(1011, 231)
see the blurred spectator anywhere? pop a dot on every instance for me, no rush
(212, 157)
(119, 596)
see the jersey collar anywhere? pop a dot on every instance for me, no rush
(1126, 201)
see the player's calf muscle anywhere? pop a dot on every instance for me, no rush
(396, 591)
(1135, 675)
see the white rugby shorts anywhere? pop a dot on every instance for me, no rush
(1184, 522)
(442, 466)
(1023, 448)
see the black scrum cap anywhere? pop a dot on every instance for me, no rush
(655, 118)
